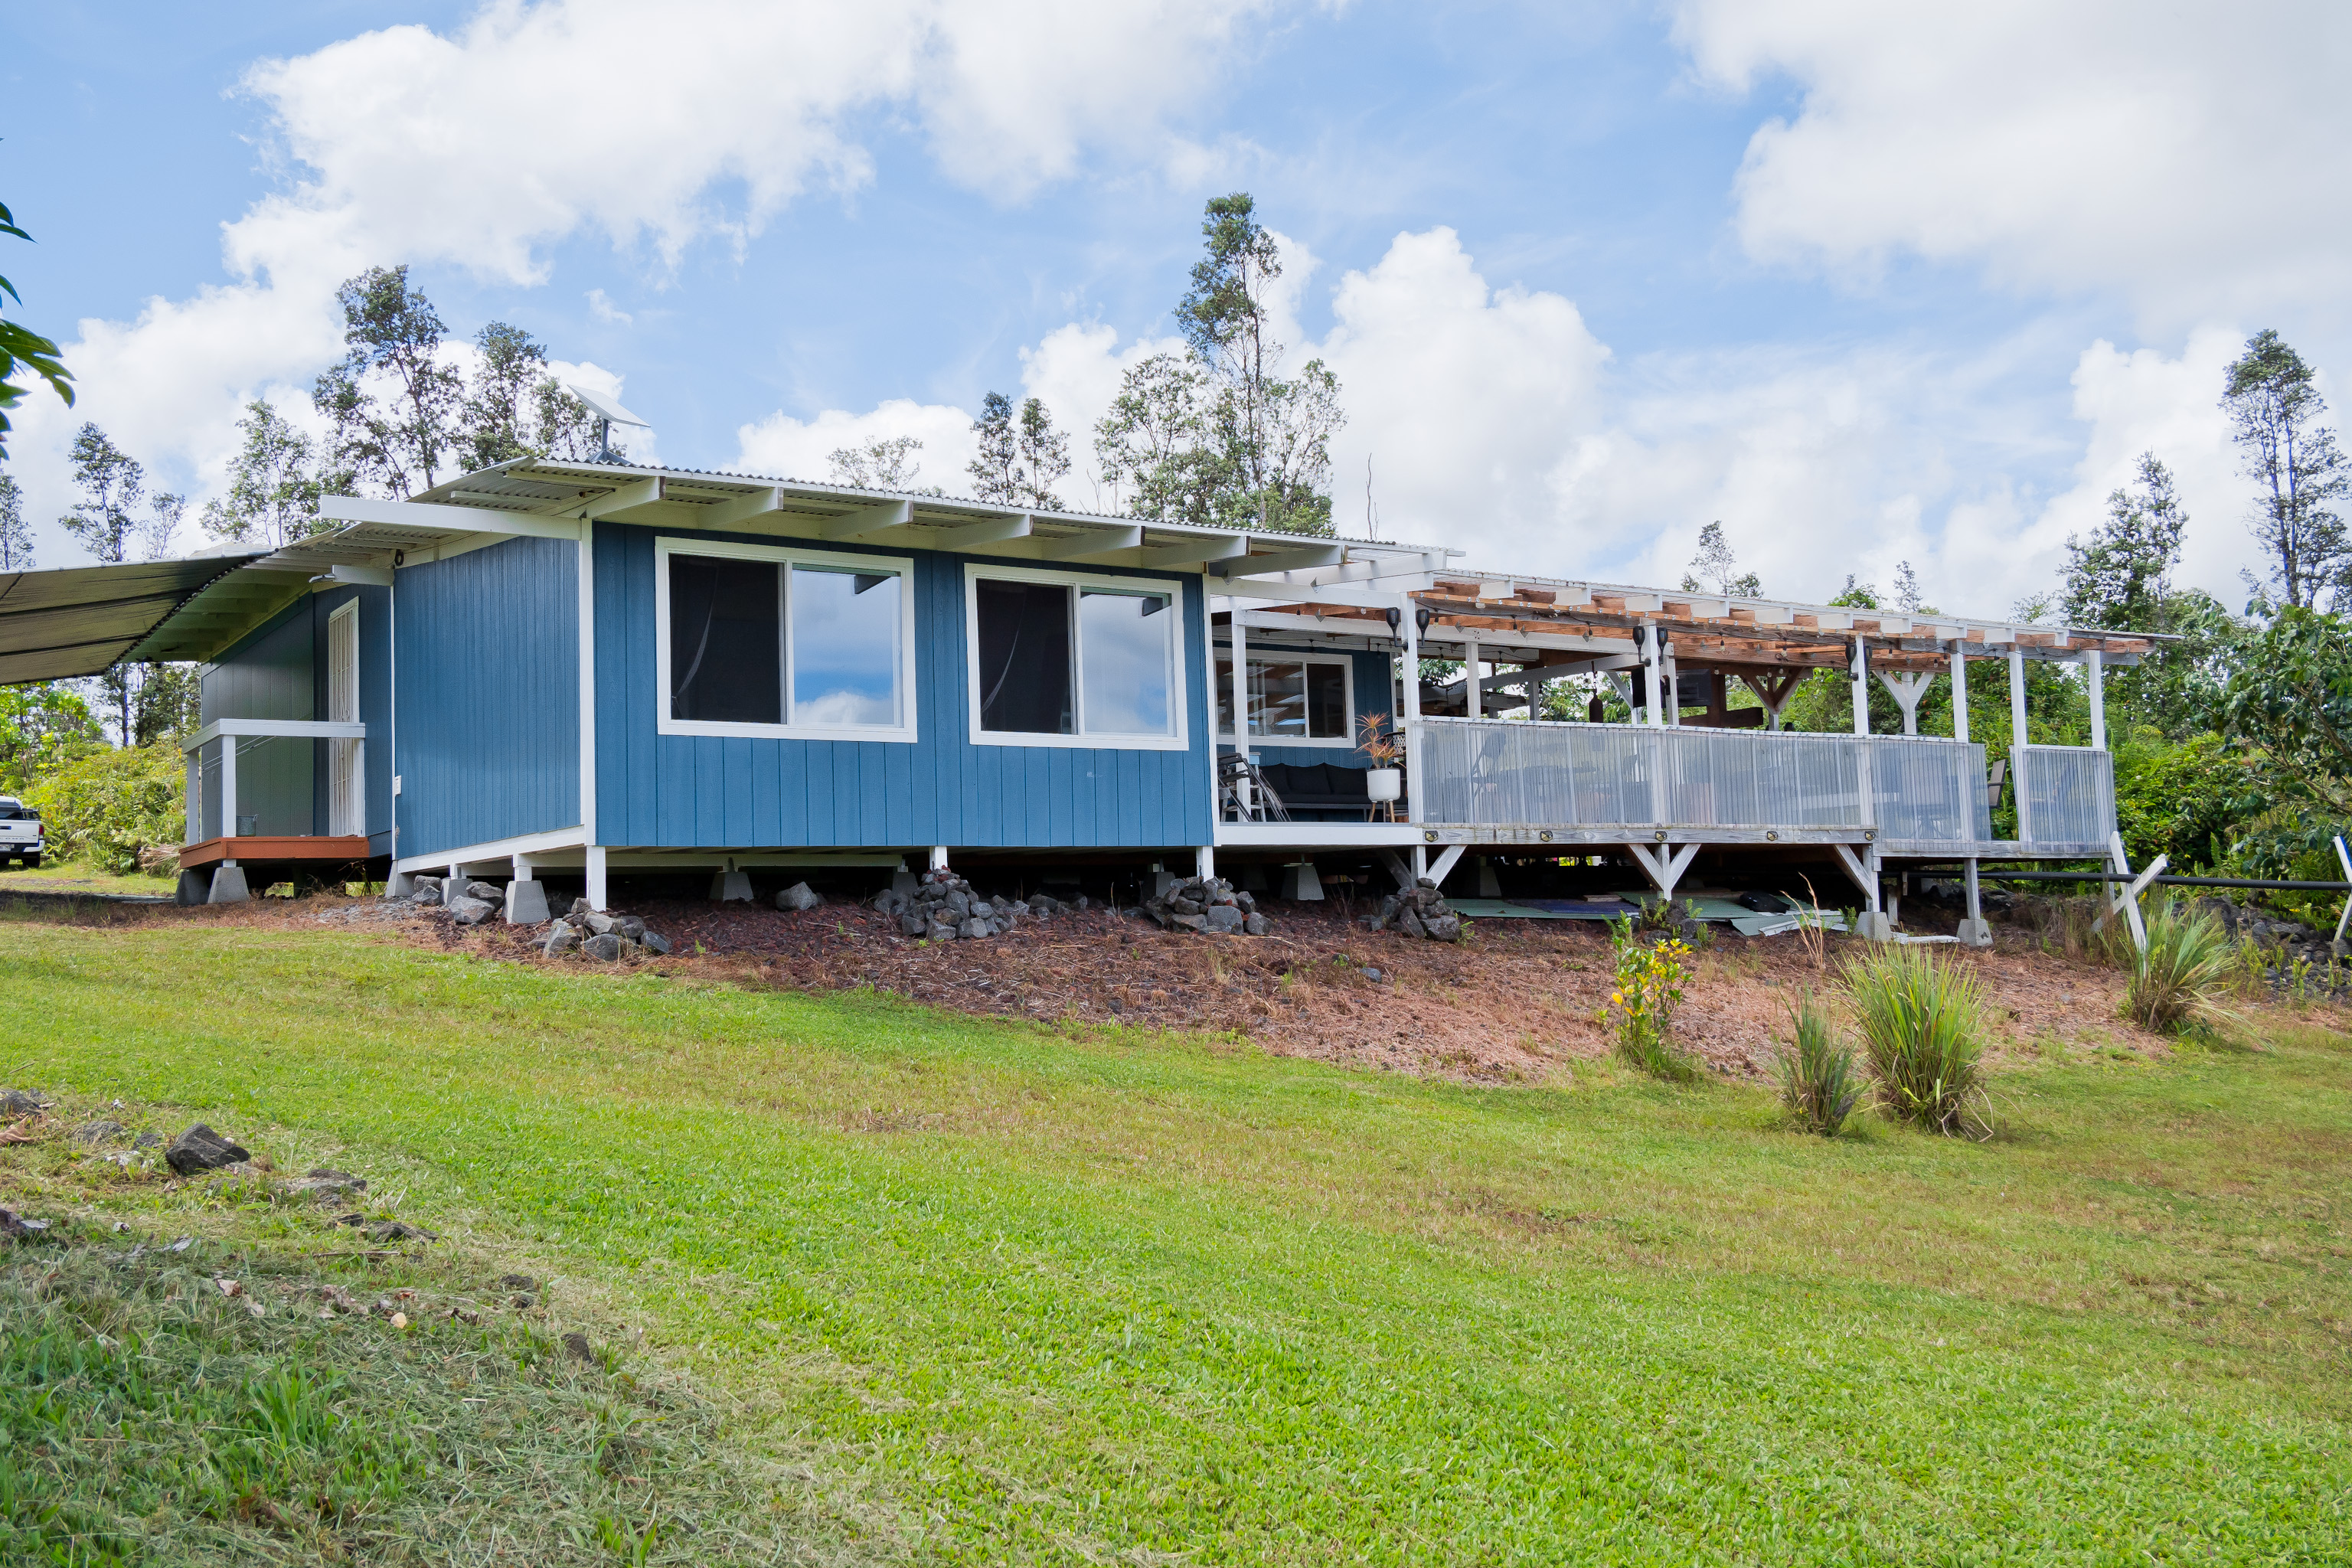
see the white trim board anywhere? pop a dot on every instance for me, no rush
(497, 849)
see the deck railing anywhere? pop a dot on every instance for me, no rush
(253, 777)
(1498, 772)
(2069, 795)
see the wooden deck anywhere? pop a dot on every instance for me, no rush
(267, 850)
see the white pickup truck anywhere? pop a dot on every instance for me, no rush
(20, 832)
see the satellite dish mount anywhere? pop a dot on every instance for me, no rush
(608, 414)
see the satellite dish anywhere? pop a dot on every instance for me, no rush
(608, 414)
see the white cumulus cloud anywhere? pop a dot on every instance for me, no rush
(2186, 156)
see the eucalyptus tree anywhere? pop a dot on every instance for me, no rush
(2299, 472)
(16, 533)
(400, 442)
(274, 485)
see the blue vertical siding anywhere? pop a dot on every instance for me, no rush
(488, 722)
(268, 674)
(681, 791)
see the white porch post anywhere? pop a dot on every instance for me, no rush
(1470, 671)
(194, 796)
(1959, 692)
(2017, 740)
(1653, 667)
(1410, 628)
(1241, 682)
(596, 879)
(228, 787)
(1861, 665)
(1670, 687)
(2095, 682)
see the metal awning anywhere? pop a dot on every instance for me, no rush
(80, 620)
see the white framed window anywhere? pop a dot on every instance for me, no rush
(1062, 658)
(1295, 698)
(766, 640)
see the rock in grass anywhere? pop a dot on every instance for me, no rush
(576, 1345)
(98, 1133)
(17, 1102)
(798, 895)
(652, 942)
(604, 945)
(472, 911)
(393, 1230)
(325, 1186)
(15, 1227)
(202, 1148)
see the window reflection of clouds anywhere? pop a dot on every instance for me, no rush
(845, 646)
(1123, 649)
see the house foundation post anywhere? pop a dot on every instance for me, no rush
(1974, 932)
(597, 882)
(1205, 860)
(938, 857)
(228, 884)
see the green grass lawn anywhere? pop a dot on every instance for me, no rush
(81, 877)
(1059, 1297)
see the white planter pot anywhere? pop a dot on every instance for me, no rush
(1383, 784)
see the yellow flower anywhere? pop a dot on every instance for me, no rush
(1617, 998)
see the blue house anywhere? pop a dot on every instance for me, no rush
(585, 672)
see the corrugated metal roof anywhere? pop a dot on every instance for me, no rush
(79, 620)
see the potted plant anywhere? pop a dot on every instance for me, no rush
(1383, 781)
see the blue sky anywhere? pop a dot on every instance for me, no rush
(1591, 275)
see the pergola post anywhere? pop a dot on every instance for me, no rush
(2017, 741)
(1861, 686)
(2095, 683)
(1959, 692)
(1409, 627)
(228, 787)
(1240, 683)
(1652, 667)
(1472, 695)
(1672, 688)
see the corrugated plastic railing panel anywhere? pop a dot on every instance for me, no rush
(2070, 794)
(1489, 772)
(1928, 789)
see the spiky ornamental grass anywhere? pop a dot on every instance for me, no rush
(2179, 980)
(1923, 1029)
(1819, 1083)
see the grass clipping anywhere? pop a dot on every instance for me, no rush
(1922, 1023)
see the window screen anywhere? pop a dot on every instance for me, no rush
(725, 647)
(845, 642)
(1025, 677)
(1123, 646)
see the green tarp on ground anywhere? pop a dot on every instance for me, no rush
(1702, 906)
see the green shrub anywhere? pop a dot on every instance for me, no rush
(2178, 983)
(110, 803)
(1923, 1027)
(1649, 987)
(1818, 1081)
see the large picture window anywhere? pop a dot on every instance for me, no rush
(1292, 699)
(757, 640)
(1062, 661)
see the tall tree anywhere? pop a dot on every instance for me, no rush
(991, 468)
(22, 349)
(498, 409)
(888, 464)
(2121, 578)
(112, 482)
(159, 534)
(1022, 456)
(401, 440)
(2298, 471)
(1043, 456)
(1219, 434)
(273, 490)
(567, 427)
(1907, 597)
(16, 533)
(1714, 569)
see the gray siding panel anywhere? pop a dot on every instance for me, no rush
(488, 695)
(683, 790)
